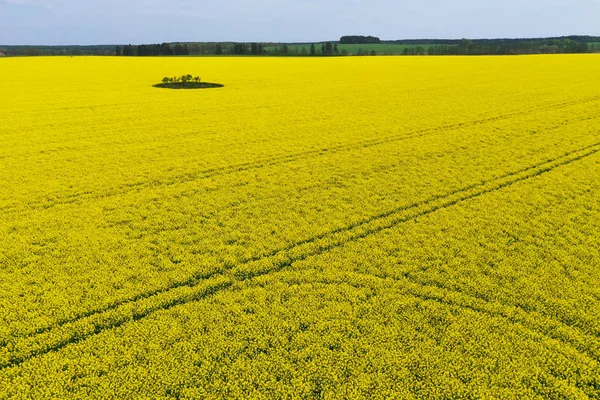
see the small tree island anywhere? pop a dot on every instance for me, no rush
(186, 82)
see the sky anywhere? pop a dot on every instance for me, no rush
(68, 22)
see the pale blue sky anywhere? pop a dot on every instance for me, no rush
(149, 21)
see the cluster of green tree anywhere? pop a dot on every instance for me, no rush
(185, 82)
(128, 50)
(102, 50)
(164, 49)
(255, 49)
(499, 47)
(329, 49)
(181, 79)
(355, 39)
(420, 50)
(361, 52)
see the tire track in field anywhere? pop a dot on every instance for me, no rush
(551, 328)
(94, 322)
(196, 278)
(518, 319)
(36, 347)
(45, 203)
(280, 259)
(238, 203)
(242, 203)
(593, 333)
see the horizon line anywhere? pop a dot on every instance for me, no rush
(304, 42)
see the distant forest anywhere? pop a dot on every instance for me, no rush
(360, 40)
(346, 46)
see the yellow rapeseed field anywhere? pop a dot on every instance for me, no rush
(352, 227)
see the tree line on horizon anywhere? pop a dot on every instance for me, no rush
(356, 39)
(164, 49)
(252, 49)
(370, 45)
(462, 47)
